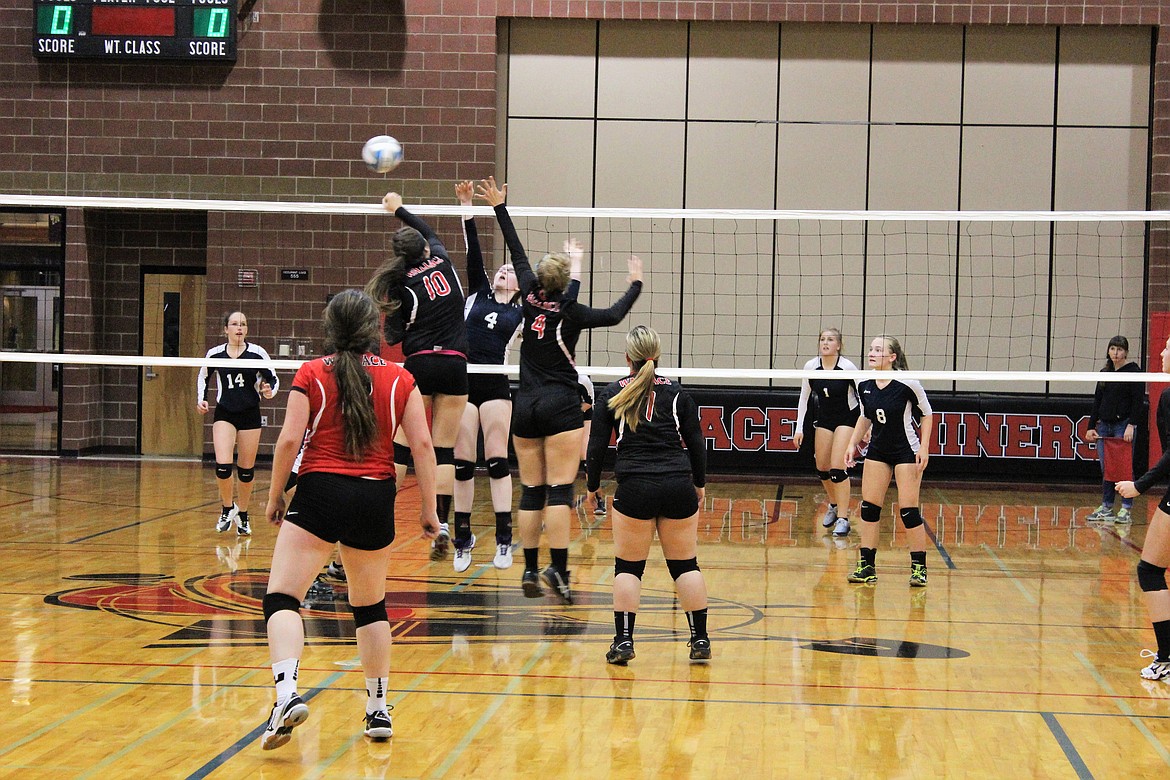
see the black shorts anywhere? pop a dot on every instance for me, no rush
(247, 420)
(482, 388)
(1165, 503)
(834, 421)
(357, 512)
(553, 411)
(443, 374)
(891, 458)
(647, 498)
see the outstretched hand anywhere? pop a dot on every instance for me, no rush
(464, 191)
(576, 253)
(487, 190)
(635, 269)
(392, 202)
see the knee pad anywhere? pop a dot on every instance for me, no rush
(371, 613)
(245, 475)
(532, 497)
(402, 454)
(464, 470)
(276, 602)
(444, 456)
(870, 513)
(679, 568)
(824, 475)
(838, 475)
(223, 471)
(498, 468)
(560, 495)
(1150, 577)
(622, 566)
(911, 517)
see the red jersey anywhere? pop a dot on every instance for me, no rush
(325, 441)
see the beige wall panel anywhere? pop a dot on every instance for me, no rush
(1104, 76)
(1007, 168)
(824, 73)
(1010, 75)
(914, 167)
(733, 71)
(730, 166)
(640, 164)
(642, 70)
(821, 167)
(917, 73)
(1100, 168)
(551, 67)
(550, 162)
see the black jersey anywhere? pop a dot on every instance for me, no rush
(835, 398)
(553, 323)
(1117, 401)
(491, 325)
(237, 389)
(1161, 469)
(892, 410)
(655, 448)
(430, 316)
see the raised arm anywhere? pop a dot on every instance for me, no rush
(477, 277)
(392, 202)
(588, 317)
(496, 197)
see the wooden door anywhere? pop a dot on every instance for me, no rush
(173, 308)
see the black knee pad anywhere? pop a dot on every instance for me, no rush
(824, 475)
(1150, 577)
(371, 613)
(870, 513)
(622, 566)
(679, 568)
(838, 475)
(444, 456)
(560, 495)
(245, 475)
(276, 602)
(223, 471)
(532, 497)
(402, 454)
(464, 470)
(911, 517)
(498, 468)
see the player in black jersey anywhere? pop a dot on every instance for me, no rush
(836, 414)
(236, 423)
(889, 407)
(660, 486)
(1155, 558)
(546, 412)
(422, 298)
(493, 317)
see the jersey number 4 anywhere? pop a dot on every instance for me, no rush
(538, 326)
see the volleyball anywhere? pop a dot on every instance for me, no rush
(382, 153)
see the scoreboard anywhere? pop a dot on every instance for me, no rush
(136, 29)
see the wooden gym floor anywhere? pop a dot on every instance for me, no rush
(135, 645)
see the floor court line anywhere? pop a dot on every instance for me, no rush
(1066, 745)
(1124, 707)
(196, 508)
(1027, 594)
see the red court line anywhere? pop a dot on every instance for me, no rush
(18, 503)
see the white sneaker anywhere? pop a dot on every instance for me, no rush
(503, 559)
(830, 517)
(462, 559)
(1100, 513)
(842, 527)
(226, 519)
(282, 721)
(439, 544)
(1158, 670)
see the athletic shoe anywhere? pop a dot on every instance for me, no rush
(1158, 670)
(243, 526)
(378, 725)
(700, 649)
(462, 560)
(1101, 513)
(558, 583)
(439, 544)
(917, 575)
(1123, 516)
(842, 527)
(863, 573)
(530, 582)
(503, 559)
(599, 510)
(830, 517)
(282, 721)
(621, 652)
(335, 571)
(226, 519)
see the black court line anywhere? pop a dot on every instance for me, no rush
(1070, 752)
(942, 551)
(141, 522)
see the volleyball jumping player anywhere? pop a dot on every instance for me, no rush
(236, 423)
(889, 407)
(546, 412)
(836, 416)
(350, 403)
(493, 317)
(422, 299)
